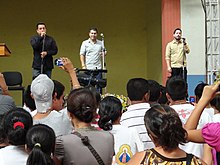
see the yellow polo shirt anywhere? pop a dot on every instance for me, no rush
(176, 52)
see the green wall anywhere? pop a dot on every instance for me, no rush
(132, 32)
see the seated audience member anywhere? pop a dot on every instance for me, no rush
(6, 102)
(16, 123)
(155, 92)
(81, 106)
(215, 104)
(42, 89)
(127, 140)
(198, 93)
(3, 139)
(40, 143)
(210, 133)
(58, 96)
(176, 94)
(166, 131)
(29, 104)
(138, 93)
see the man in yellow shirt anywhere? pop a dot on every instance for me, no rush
(176, 51)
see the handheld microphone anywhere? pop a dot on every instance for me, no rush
(183, 38)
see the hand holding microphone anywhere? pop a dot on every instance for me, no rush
(184, 40)
(42, 34)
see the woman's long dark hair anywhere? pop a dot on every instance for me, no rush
(40, 141)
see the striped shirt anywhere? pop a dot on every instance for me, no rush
(134, 118)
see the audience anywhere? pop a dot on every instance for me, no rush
(42, 89)
(40, 143)
(16, 123)
(155, 92)
(127, 140)
(75, 147)
(166, 131)
(176, 94)
(138, 93)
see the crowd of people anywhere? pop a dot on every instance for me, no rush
(159, 126)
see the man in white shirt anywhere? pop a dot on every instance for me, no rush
(138, 93)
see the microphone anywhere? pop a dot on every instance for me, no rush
(183, 38)
(102, 35)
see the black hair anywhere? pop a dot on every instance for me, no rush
(59, 89)
(154, 88)
(40, 141)
(40, 23)
(176, 87)
(176, 30)
(163, 98)
(215, 102)
(82, 104)
(28, 100)
(199, 89)
(95, 93)
(110, 109)
(137, 88)
(2, 132)
(165, 127)
(16, 124)
(94, 29)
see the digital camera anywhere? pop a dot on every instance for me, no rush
(58, 62)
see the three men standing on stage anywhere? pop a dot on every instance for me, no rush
(176, 51)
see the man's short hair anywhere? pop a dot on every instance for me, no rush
(155, 90)
(176, 88)
(137, 88)
(94, 29)
(40, 23)
(176, 30)
(199, 89)
(59, 89)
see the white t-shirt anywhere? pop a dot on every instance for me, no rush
(13, 155)
(184, 111)
(58, 121)
(127, 141)
(134, 118)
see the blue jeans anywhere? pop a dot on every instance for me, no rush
(36, 72)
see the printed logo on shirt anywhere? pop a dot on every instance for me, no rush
(124, 154)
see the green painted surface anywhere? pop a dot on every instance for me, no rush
(132, 32)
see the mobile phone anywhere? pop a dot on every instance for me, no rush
(58, 62)
(192, 99)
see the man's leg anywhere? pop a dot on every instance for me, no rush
(35, 73)
(176, 72)
(48, 73)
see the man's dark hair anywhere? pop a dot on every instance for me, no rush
(176, 30)
(58, 89)
(28, 100)
(176, 88)
(199, 89)
(40, 23)
(154, 88)
(93, 28)
(137, 88)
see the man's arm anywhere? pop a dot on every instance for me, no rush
(53, 48)
(82, 60)
(167, 56)
(3, 85)
(36, 42)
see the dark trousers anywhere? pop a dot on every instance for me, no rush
(181, 72)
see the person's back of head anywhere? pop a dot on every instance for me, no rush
(163, 98)
(198, 90)
(28, 100)
(215, 102)
(16, 123)
(58, 96)
(42, 89)
(2, 132)
(40, 142)
(82, 104)
(164, 127)
(137, 88)
(155, 91)
(6, 103)
(176, 88)
(95, 93)
(110, 110)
